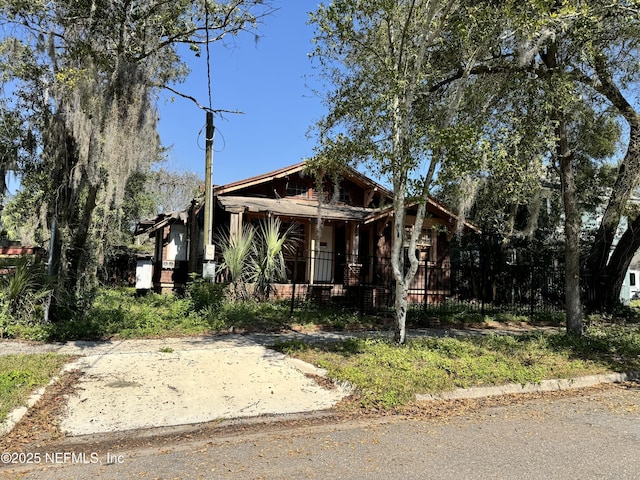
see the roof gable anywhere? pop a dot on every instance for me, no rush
(348, 173)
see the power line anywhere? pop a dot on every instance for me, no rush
(206, 28)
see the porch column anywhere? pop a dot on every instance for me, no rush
(353, 242)
(235, 225)
(312, 259)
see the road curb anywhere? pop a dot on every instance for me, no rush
(543, 386)
(17, 413)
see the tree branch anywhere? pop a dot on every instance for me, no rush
(194, 100)
(477, 70)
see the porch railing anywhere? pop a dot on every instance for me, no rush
(366, 283)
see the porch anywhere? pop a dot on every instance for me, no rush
(366, 285)
(328, 278)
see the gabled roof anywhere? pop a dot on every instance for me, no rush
(433, 206)
(348, 173)
(265, 177)
(150, 226)
(294, 208)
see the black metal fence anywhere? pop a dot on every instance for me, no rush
(366, 284)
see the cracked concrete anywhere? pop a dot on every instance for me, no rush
(134, 384)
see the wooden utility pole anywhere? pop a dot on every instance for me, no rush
(208, 192)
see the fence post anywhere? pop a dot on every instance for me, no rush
(426, 286)
(361, 292)
(483, 274)
(293, 286)
(532, 290)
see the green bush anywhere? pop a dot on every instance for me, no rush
(210, 319)
(25, 294)
(206, 294)
(36, 332)
(121, 312)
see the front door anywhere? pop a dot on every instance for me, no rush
(322, 266)
(340, 253)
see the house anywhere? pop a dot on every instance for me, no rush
(11, 253)
(345, 227)
(631, 286)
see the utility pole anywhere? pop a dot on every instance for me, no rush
(208, 189)
(208, 269)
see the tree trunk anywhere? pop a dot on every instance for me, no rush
(618, 265)
(401, 305)
(599, 266)
(397, 260)
(79, 254)
(572, 223)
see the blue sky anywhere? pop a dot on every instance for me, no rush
(270, 81)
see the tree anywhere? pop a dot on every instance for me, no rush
(576, 59)
(173, 190)
(612, 73)
(87, 74)
(571, 61)
(387, 113)
(256, 255)
(586, 55)
(235, 251)
(267, 264)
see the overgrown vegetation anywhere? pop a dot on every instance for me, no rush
(256, 256)
(462, 315)
(204, 309)
(387, 375)
(21, 374)
(25, 293)
(209, 308)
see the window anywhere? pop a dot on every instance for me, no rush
(177, 248)
(632, 279)
(297, 189)
(424, 240)
(344, 195)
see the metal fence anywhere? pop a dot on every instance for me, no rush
(366, 284)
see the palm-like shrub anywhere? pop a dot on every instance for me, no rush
(256, 256)
(235, 251)
(267, 259)
(25, 294)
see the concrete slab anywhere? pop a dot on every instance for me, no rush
(135, 384)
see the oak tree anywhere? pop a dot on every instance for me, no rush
(87, 74)
(386, 112)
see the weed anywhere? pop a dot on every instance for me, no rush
(22, 373)
(388, 375)
(291, 346)
(204, 294)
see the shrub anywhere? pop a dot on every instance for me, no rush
(256, 256)
(24, 299)
(205, 294)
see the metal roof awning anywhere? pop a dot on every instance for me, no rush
(295, 209)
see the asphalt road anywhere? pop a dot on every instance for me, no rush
(590, 434)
